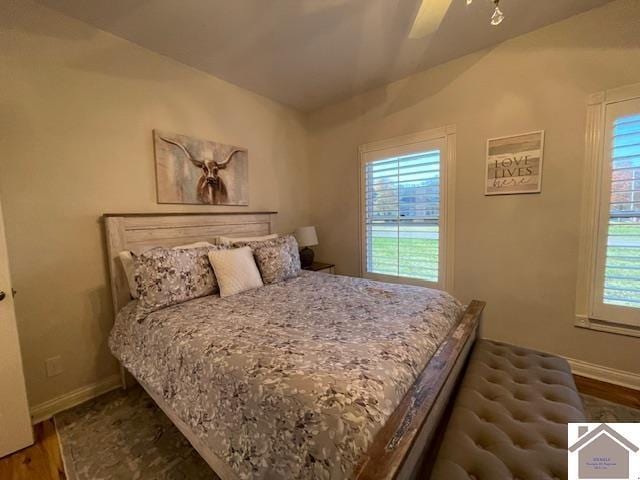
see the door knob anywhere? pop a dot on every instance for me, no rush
(2, 295)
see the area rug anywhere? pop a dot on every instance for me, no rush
(125, 436)
(598, 410)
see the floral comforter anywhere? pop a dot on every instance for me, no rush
(291, 380)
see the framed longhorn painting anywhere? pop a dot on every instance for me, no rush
(514, 164)
(194, 171)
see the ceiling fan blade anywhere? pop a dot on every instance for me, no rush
(429, 17)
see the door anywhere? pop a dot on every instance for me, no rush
(15, 422)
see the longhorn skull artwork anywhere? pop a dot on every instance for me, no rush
(210, 158)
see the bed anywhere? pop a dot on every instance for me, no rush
(320, 376)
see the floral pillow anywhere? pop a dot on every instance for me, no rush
(165, 277)
(222, 240)
(278, 260)
(259, 243)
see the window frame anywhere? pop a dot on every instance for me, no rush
(446, 136)
(591, 311)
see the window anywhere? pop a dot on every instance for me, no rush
(613, 190)
(405, 207)
(622, 247)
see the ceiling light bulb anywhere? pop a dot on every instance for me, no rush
(469, 2)
(497, 17)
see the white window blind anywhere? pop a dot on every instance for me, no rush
(615, 285)
(622, 259)
(402, 215)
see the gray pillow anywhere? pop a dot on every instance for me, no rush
(165, 277)
(278, 260)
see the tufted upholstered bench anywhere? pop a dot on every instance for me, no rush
(509, 418)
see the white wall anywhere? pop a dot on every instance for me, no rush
(77, 109)
(519, 253)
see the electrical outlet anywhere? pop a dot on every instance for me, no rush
(54, 366)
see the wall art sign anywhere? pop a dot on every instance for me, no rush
(514, 164)
(193, 171)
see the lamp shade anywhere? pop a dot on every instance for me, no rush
(306, 236)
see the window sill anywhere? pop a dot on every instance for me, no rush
(379, 277)
(583, 321)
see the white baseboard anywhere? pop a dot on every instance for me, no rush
(48, 409)
(605, 374)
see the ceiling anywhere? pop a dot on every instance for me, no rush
(309, 53)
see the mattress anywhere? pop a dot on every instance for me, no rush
(291, 380)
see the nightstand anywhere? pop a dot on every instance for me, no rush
(321, 267)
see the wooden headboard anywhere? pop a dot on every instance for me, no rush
(142, 231)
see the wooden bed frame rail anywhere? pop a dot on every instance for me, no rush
(398, 448)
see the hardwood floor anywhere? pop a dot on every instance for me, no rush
(607, 391)
(40, 461)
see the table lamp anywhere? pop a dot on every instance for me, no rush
(306, 237)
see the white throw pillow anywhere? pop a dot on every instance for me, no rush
(229, 240)
(235, 270)
(129, 265)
